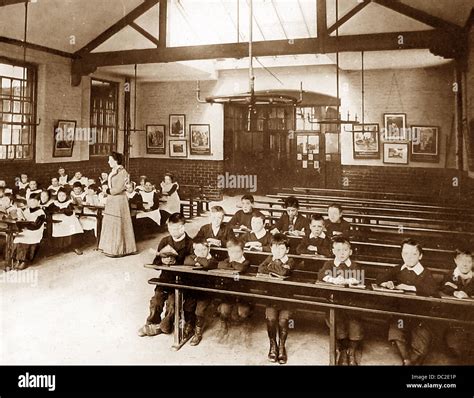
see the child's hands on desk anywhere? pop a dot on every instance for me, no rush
(254, 246)
(338, 280)
(168, 260)
(405, 287)
(312, 248)
(460, 294)
(214, 242)
(295, 233)
(389, 285)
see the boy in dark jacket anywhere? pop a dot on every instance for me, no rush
(411, 337)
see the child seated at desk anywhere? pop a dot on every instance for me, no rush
(217, 232)
(291, 221)
(8, 209)
(54, 187)
(77, 194)
(344, 271)
(141, 183)
(258, 238)
(277, 316)
(411, 336)
(27, 241)
(46, 202)
(233, 308)
(335, 224)
(135, 200)
(103, 194)
(243, 218)
(151, 204)
(32, 189)
(67, 228)
(88, 219)
(460, 284)
(22, 182)
(62, 177)
(201, 259)
(78, 177)
(104, 178)
(180, 244)
(317, 242)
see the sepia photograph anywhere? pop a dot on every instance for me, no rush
(220, 195)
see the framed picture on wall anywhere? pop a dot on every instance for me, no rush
(179, 149)
(178, 126)
(200, 136)
(64, 133)
(155, 138)
(395, 153)
(395, 127)
(424, 144)
(365, 141)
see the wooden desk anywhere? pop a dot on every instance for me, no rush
(304, 293)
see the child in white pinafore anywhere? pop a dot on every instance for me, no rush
(66, 225)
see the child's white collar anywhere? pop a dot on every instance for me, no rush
(417, 269)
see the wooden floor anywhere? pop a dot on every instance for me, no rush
(87, 310)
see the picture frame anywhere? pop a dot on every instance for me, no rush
(177, 125)
(395, 153)
(63, 138)
(366, 141)
(395, 127)
(156, 139)
(200, 139)
(424, 144)
(178, 149)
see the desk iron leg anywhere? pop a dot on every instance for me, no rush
(332, 337)
(8, 248)
(179, 322)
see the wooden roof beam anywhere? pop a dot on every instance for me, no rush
(348, 16)
(428, 39)
(116, 27)
(418, 15)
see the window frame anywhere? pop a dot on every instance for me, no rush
(33, 68)
(117, 101)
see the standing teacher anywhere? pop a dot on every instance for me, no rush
(117, 238)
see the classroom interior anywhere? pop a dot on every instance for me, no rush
(363, 103)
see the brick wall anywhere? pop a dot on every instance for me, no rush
(448, 184)
(195, 172)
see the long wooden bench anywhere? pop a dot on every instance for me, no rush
(370, 195)
(380, 219)
(301, 291)
(311, 199)
(376, 209)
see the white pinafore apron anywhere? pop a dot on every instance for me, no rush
(148, 203)
(69, 225)
(27, 236)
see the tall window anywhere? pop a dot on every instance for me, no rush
(104, 116)
(17, 110)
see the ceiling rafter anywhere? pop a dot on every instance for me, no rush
(144, 33)
(117, 27)
(304, 18)
(418, 15)
(348, 16)
(4, 3)
(279, 19)
(427, 39)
